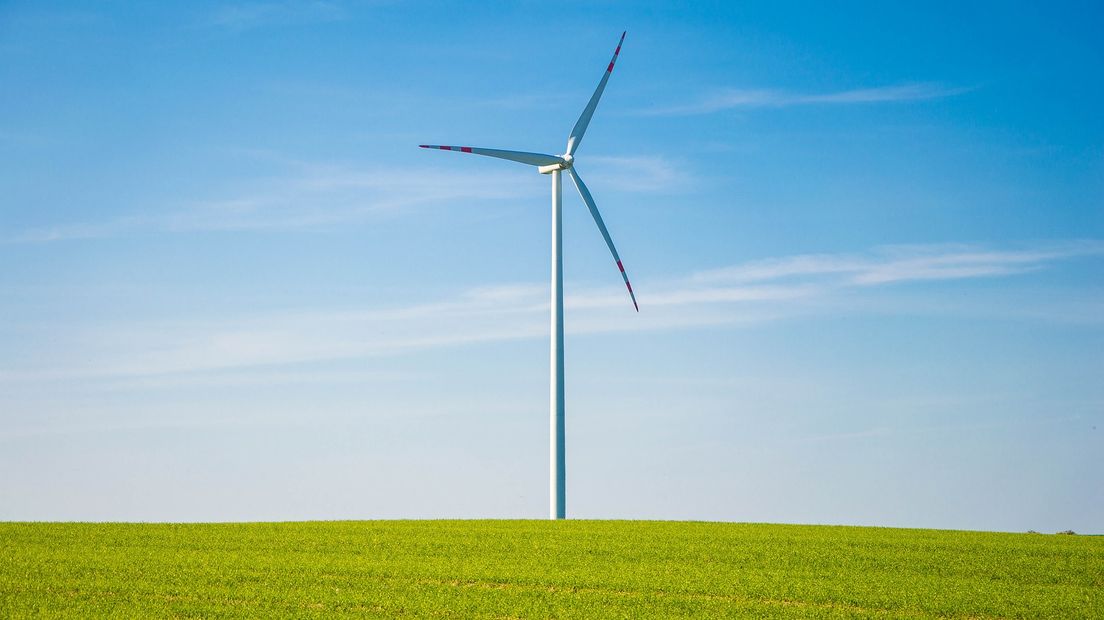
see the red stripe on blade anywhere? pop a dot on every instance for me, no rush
(609, 68)
(629, 286)
(620, 266)
(465, 149)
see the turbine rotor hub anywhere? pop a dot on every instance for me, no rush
(568, 162)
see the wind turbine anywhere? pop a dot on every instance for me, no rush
(554, 165)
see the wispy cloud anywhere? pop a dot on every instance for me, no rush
(636, 173)
(733, 98)
(745, 294)
(309, 197)
(75, 231)
(902, 263)
(319, 196)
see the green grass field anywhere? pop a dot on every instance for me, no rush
(540, 569)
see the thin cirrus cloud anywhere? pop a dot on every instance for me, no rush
(314, 196)
(733, 98)
(622, 173)
(903, 263)
(746, 294)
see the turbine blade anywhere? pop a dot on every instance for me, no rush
(580, 128)
(589, 200)
(533, 159)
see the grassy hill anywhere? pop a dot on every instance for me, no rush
(539, 569)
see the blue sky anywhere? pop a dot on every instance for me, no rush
(866, 239)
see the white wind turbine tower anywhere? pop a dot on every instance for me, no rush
(554, 165)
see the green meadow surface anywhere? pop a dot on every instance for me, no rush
(542, 569)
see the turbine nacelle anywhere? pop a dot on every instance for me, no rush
(566, 162)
